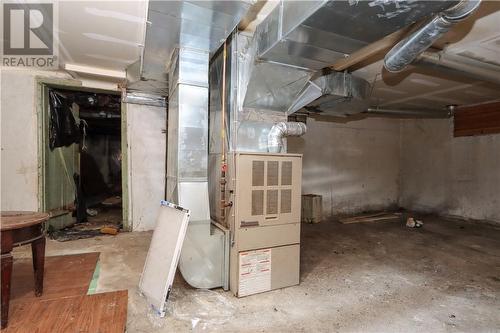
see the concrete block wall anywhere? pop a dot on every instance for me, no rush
(354, 165)
(380, 163)
(447, 175)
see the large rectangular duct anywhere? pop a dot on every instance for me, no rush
(299, 38)
(204, 256)
(313, 34)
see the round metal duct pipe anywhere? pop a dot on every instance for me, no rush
(426, 113)
(408, 49)
(281, 130)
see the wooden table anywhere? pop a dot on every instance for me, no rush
(20, 228)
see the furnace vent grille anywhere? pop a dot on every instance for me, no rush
(272, 173)
(286, 201)
(271, 192)
(257, 202)
(286, 173)
(272, 202)
(258, 173)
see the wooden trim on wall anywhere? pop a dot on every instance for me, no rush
(478, 119)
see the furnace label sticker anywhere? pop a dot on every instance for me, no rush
(255, 272)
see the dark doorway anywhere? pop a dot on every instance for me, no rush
(97, 173)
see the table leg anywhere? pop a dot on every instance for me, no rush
(38, 251)
(6, 260)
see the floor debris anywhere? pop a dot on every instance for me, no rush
(204, 309)
(92, 212)
(372, 217)
(412, 223)
(68, 234)
(112, 201)
(109, 230)
(107, 220)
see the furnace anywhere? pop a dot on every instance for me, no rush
(265, 222)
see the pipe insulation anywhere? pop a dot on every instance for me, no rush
(281, 130)
(408, 49)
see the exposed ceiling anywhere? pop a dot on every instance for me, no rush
(108, 35)
(477, 37)
(104, 35)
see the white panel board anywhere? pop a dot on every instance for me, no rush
(146, 142)
(163, 255)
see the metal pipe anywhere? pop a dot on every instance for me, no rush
(425, 113)
(281, 130)
(408, 49)
(459, 65)
(223, 140)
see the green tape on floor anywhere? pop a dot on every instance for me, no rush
(95, 277)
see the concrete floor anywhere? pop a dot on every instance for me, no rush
(370, 277)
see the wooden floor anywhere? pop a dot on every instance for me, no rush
(64, 276)
(105, 312)
(64, 305)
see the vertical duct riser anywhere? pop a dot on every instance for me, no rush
(202, 257)
(187, 124)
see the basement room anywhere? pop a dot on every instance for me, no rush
(250, 166)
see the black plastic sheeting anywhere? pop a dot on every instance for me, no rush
(63, 130)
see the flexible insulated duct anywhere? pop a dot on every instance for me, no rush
(282, 130)
(408, 49)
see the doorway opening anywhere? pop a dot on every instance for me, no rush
(83, 162)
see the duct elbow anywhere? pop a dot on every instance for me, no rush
(408, 49)
(282, 130)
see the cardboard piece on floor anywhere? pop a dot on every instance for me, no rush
(163, 255)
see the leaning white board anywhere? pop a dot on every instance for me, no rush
(163, 255)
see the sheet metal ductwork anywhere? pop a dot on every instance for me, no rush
(201, 25)
(407, 50)
(338, 93)
(180, 36)
(280, 131)
(202, 262)
(246, 129)
(313, 34)
(298, 38)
